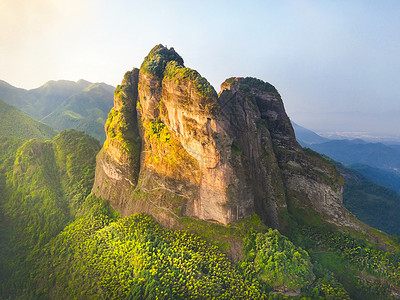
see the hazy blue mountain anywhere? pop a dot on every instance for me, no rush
(386, 178)
(358, 151)
(16, 123)
(307, 137)
(65, 104)
(397, 147)
(377, 162)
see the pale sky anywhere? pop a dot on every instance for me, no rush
(335, 63)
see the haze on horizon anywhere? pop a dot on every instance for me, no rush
(336, 64)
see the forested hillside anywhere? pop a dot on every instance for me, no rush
(43, 185)
(373, 204)
(59, 242)
(14, 122)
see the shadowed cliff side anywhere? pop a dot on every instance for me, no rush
(176, 149)
(118, 162)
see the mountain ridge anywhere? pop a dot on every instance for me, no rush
(53, 104)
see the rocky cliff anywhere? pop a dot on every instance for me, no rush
(176, 148)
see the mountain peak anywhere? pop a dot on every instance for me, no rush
(187, 152)
(156, 61)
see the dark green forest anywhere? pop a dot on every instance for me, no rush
(58, 241)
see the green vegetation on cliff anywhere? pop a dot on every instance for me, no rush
(122, 124)
(158, 58)
(59, 241)
(248, 83)
(174, 70)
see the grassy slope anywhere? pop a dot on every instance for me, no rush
(16, 123)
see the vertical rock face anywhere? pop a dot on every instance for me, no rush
(252, 109)
(118, 163)
(175, 148)
(186, 149)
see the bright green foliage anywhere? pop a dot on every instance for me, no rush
(365, 271)
(117, 127)
(122, 124)
(135, 258)
(179, 73)
(40, 184)
(157, 133)
(55, 242)
(159, 138)
(328, 288)
(156, 61)
(14, 122)
(358, 252)
(246, 84)
(278, 262)
(221, 235)
(76, 163)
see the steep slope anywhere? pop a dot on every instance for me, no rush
(43, 185)
(85, 111)
(175, 148)
(373, 204)
(41, 101)
(14, 122)
(172, 144)
(343, 150)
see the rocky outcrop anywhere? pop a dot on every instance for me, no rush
(175, 148)
(117, 164)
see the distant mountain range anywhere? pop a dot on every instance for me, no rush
(377, 162)
(64, 104)
(389, 179)
(358, 151)
(307, 137)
